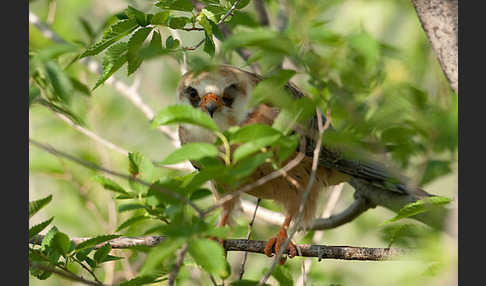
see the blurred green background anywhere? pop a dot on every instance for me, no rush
(82, 208)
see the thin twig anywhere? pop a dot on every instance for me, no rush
(258, 246)
(177, 266)
(315, 161)
(250, 225)
(93, 166)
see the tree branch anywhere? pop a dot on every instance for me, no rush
(439, 21)
(257, 246)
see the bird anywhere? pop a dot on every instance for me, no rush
(223, 92)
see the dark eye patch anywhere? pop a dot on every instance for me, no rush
(229, 94)
(192, 94)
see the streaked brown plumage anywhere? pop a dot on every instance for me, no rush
(224, 92)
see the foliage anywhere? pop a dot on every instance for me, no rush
(379, 98)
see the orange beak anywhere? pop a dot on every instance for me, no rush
(211, 103)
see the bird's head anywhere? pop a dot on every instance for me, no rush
(223, 92)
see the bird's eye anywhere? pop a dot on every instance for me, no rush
(192, 94)
(229, 94)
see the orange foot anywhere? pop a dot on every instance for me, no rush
(274, 243)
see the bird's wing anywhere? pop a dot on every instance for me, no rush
(366, 169)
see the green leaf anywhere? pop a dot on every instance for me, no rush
(131, 221)
(38, 273)
(143, 280)
(142, 168)
(434, 170)
(37, 205)
(101, 253)
(36, 229)
(191, 151)
(245, 282)
(271, 90)
(60, 82)
(241, 5)
(138, 15)
(158, 254)
(61, 243)
(203, 20)
(130, 207)
(177, 114)
(87, 28)
(419, 206)
(210, 255)
(95, 240)
(114, 33)
(114, 59)
(177, 22)
(83, 254)
(134, 45)
(79, 86)
(252, 132)
(254, 146)
(179, 5)
(110, 185)
(162, 197)
(209, 46)
(171, 43)
(34, 92)
(160, 18)
(286, 146)
(48, 238)
(283, 276)
(200, 194)
(248, 165)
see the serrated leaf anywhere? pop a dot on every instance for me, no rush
(82, 254)
(131, 221)
(47, 240)
(254, 146)
(114, 59)
(110, 185)
(179, 5)
(38, 273)
(60, 82)
(101, 253)
(87, 28)
(143, 280)
(111, 258)
(91, 262)
(191, 151)
(419, 206)
(61, 242)
(160, 18)
(37, 205)
(114, 33)
(177, 114)
(210, 255)
(158, 254)
(134, 45)
(36, 229)
(95, 240)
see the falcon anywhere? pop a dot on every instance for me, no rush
(224, 93)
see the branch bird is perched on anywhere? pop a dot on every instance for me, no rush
(224, 93)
